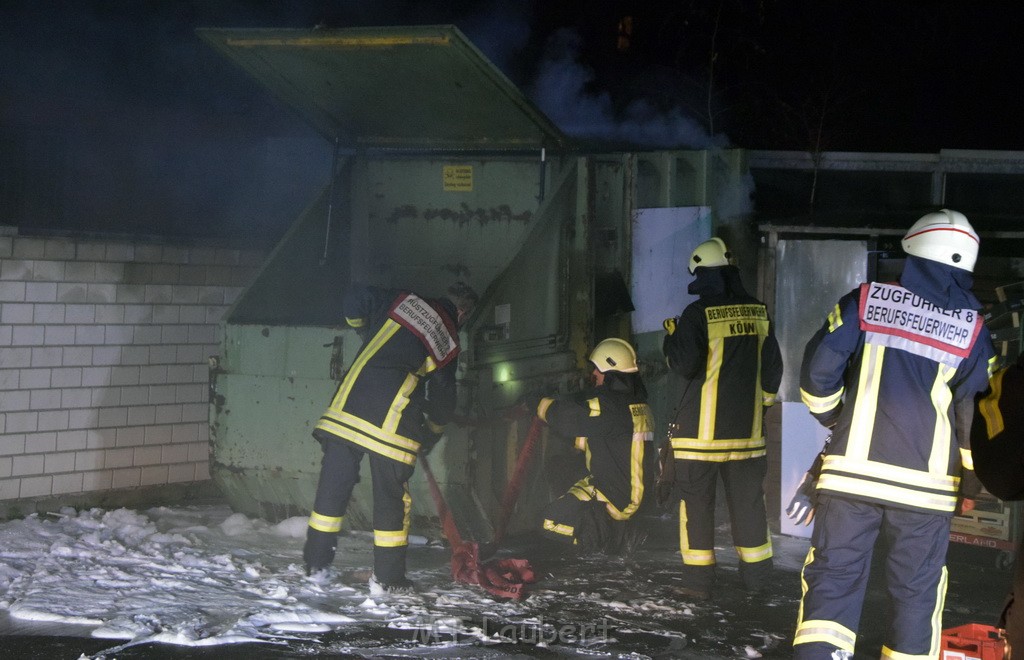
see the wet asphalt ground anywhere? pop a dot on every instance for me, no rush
(615, 593)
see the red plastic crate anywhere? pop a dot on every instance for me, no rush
(973, 641)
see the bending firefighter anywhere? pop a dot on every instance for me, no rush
(886, 372)
(724, 347)
(613, 425)
(391, 406)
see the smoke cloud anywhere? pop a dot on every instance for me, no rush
(560, 91)
(116, 117)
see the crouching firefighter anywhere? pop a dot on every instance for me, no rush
(613, 425)
(723, 346)
(391, 406)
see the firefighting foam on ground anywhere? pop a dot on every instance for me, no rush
(205, 582)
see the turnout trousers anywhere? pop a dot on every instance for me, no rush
(835, 578)
(339, 473)
(579, 518)
(696, 482)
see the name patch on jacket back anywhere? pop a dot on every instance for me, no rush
(892, 311)
(432, 327)
(736, 320)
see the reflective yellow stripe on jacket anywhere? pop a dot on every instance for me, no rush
(932, 488)
(384, 439)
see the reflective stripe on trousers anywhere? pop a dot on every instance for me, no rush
(339, 472)
(697, 481)
(835, 577)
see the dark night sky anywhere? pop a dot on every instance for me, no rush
(114, 116)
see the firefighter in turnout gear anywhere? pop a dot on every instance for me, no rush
(997, 444)
(613, 425)
(724, 347)
(391, 406)
(886, 372)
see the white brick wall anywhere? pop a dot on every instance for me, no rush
(103, 374)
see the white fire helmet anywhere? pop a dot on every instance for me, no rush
(944, 236)
(709, 254)
(614, 354)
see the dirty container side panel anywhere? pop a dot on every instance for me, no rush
(309, 352)
(267, 422)
(270, 388)
(432, 221)
(256, 350)
(263, 454)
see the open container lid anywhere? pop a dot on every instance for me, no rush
(421, 87)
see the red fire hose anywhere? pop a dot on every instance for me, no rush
(515, 484)
(505, 578)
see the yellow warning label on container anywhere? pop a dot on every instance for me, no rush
(458, 178)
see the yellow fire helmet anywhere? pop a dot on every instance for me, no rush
(709, 254)
(614, 354)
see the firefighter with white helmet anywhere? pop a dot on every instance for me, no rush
(724, 347)
(613, 425)
(886, 371)
(946, 237)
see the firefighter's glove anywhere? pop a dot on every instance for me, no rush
(970, 488)
(432, 434)
(970, 485)
(428, 443)
(669, 325)
(801, 507)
